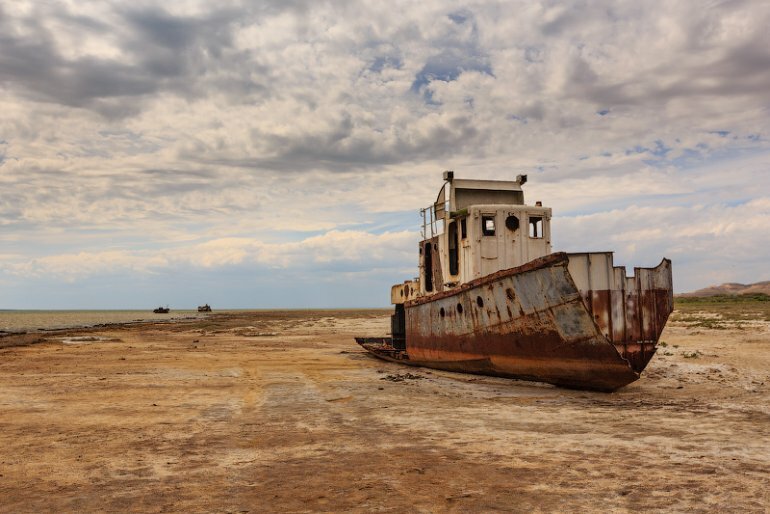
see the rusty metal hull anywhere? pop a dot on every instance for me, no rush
(534, 323)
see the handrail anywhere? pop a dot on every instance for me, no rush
(429, 223)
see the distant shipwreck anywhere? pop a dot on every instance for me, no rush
(492, 299)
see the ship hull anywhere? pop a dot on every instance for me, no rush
(533, 323)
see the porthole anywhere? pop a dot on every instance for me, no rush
(460, 308)
(441, 312)
(512, 223)
(479, 302)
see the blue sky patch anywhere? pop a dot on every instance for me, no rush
(382, 62)
(448, 66)
(459, 17)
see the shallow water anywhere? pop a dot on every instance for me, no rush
(28, 321)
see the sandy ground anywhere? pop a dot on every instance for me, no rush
(281, 412)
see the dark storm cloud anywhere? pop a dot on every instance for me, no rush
(743, 70)
(33, 66)
(341, 149)
(705, 65)
(52, 199)
(165, 52)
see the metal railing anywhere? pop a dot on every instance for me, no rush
(430, 224)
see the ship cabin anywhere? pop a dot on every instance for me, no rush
(475, 228)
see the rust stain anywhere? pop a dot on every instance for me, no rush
(564, 338)
(573, 320)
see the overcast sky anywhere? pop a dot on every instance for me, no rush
(275, 153)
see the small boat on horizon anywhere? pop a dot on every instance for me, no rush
(204, 308)
(492, 298)
(161, 310)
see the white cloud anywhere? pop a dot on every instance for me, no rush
(333, 250)
(248, 133)
(707, 243)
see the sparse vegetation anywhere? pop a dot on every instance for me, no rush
(722, 311)
(724, 298)
(706, 322)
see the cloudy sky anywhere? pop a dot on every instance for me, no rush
(275, 153)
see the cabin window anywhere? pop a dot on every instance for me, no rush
(463, 228)
(536, 227)
(488, 225)
(453, 250)
(428, 268)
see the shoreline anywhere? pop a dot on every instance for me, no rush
(10, 339)
(98, 326)
(184, 314)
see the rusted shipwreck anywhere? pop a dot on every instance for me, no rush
(491, 297)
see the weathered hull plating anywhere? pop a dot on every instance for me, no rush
(534, 323)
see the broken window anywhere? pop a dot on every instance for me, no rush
(536, 226)
(463, 228)
(428, 268)
(488, 225)
(453, 251)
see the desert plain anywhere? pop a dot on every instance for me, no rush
(282, 412)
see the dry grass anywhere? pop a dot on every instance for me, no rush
(722, 312)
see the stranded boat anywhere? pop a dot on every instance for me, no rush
(204, 308)
(161, 310)
(493, 299)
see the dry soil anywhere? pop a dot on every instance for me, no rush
(282, 412)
